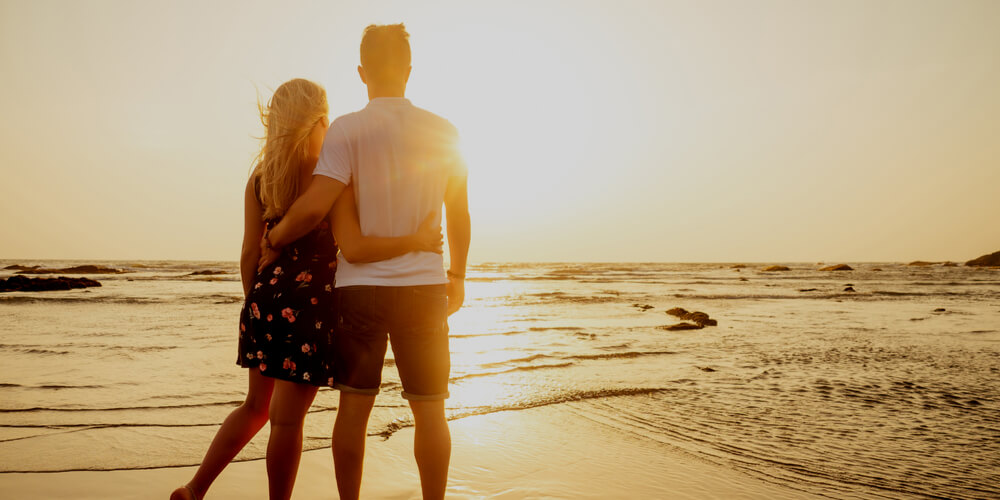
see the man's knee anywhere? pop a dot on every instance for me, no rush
(355, 406)
(428, 411)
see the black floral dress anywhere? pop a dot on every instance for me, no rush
(287, 322)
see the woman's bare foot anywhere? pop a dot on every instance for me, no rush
(183, 493)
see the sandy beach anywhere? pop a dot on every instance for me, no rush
(566, 382)
(535, 453)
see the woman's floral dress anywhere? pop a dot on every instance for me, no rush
(287, 322)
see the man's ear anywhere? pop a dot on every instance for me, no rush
(361, 73)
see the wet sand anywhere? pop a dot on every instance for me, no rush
(535, 453)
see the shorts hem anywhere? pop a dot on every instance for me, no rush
(355, 390)
(431, 397)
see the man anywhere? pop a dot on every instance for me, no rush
(402, 163)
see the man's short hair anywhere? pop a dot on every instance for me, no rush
(385, 51)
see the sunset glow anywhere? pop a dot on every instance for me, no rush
(673, 132)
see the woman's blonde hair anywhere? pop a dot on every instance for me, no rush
(289, 119)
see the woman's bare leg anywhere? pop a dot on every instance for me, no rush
(289, 406)
(237, 430)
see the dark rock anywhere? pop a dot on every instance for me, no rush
(700, 318)
(705, 368)
(990, 260)
(776, 268)
(737, 266)
(950, 264)
(677, 311)
(25, 284)
(922, 263)
(207, 272)
(808, 289)
(642, 307)
(838, 267)
(682, 326)
(849, 289)
(88, 269)
(19, 267)
(877, 269)
(940, 310)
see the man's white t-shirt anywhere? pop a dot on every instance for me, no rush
(398, 158)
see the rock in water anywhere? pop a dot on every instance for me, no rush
(207, 272)
(808, 289)
(838, 267)
(88, 269)
(682, 326)
(849, 289)
(990, 260)
(19, 267)
(677, 311)
(776, 268)
(700, 318)
(922, 263)
(25, 284)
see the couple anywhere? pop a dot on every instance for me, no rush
(374, 181)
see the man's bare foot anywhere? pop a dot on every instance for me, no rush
(183, 493)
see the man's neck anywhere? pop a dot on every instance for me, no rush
(376, 92)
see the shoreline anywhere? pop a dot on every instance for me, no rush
(533, 453)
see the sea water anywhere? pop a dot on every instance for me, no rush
(889, 391)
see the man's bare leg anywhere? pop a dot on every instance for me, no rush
(349, 434)
(431, 447)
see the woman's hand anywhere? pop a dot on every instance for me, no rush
(428, 237)
(267, 257)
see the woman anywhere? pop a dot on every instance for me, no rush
(289, 312)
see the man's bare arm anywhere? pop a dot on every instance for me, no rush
(307, 211)
(456, 205)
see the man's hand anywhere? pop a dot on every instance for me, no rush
(456, 293)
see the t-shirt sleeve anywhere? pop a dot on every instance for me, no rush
(335, 157)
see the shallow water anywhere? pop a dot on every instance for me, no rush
(866, 394)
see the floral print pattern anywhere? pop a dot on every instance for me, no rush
(283, 326)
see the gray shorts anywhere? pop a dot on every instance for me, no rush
(413, 318)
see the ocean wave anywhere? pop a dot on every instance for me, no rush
(37, 409)
(578, 357)
(510, 370)
(492, 334)
(214, 298)
(391, 428)
(620, 355)
(75, 299)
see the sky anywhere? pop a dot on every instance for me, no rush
(660, 131)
